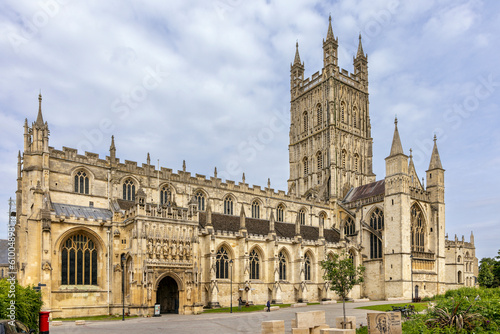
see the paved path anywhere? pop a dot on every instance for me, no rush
(213, 323)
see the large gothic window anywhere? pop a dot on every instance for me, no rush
(79, 261)
(165, 195)
(280, 210)
(302, 216)
(129, 190)
(307, 267)
(319, 114)
(255, 209)
(200, 198)
(377, 223)
(417, 229)
(228, 205)
(222, 264)
(81, 183)
(254, 265)
(349, 228)
(282, 266)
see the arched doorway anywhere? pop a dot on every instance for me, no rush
(167, 295)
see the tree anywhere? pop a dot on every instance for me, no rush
(343, 275)
(485, 277)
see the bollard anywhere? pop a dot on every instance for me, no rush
(44, 322)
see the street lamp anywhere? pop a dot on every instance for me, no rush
(123, 287)
(411, 264)
(231, 294)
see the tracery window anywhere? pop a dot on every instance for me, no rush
(377, 223)
(354, 123)
(165, 195)
(356, 162)
(319, 115)
(222, 264)
(344, 154)
(228, 205)
(79, 261)
(304, 116)
(254, 265)
(319, 160)
(306, 167)
(349, 228)
(200, 198)
(417, 229)
(255, 209)
(280, 213)
(81, 183)
(322, 217)
(307, 267)
(129, 190)
(342, 111)
(282, 266)
(302, 216)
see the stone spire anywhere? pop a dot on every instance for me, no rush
(435, 159)
(360, 49)
(242, 218)
(396, 147)
(329, 34)
(297, 56)
(112, 150)
(271, 223)
(39, 118)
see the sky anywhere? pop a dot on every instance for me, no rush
(208, 82)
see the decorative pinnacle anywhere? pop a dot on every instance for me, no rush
(297, 56)
(435, 138)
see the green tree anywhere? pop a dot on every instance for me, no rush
(485, 277)
(342, 275)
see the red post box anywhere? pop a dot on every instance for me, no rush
(44, 322)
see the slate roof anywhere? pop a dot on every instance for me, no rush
(365, 191)
(124, 205)
(81, 211)
(229, 223)
(4, 256)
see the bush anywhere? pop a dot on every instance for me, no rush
(28, 303)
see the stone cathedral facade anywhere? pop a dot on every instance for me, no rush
(86, 225)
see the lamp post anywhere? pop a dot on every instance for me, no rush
(123, 287)
(411, 264)
(231, 285)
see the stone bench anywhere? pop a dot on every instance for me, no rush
(273, 327)
(56, 323)
(328, 302)
(337, 330)
(299, 304)
(274, 308)
(80, 322)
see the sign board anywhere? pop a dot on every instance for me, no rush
(157, 310)
(384, 323)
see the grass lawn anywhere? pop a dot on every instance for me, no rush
(97, 317)
(251, 308)
(419, 307)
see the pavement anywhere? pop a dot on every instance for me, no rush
(215, 323)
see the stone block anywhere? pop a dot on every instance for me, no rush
(351, 322)
(337, 330)
(80, 322)
(56, 323)
(361, 300)
(299, 305)
(317, 329)
(300, 330)
(310, 319)
(274, 308)
(273, 327)
(328, 302)
(294, 323)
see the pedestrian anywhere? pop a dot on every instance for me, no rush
(240, 302)
(268, 306)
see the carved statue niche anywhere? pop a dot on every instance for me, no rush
(181, 250)
(165, 249)
(173, 248)
(158, 249)
(150, 248)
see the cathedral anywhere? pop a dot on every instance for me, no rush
(103, 232)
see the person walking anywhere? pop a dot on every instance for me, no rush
(268, 306)
(240, 302)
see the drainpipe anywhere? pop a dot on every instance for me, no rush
(109, 259)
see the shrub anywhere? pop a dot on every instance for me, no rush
(28, 303)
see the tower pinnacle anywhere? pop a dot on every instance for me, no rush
(39, 118)
(360, 48)
(329, 34)
(435, 159)
(297, 56)
(396, 147)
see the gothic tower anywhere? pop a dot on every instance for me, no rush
(330, 133)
